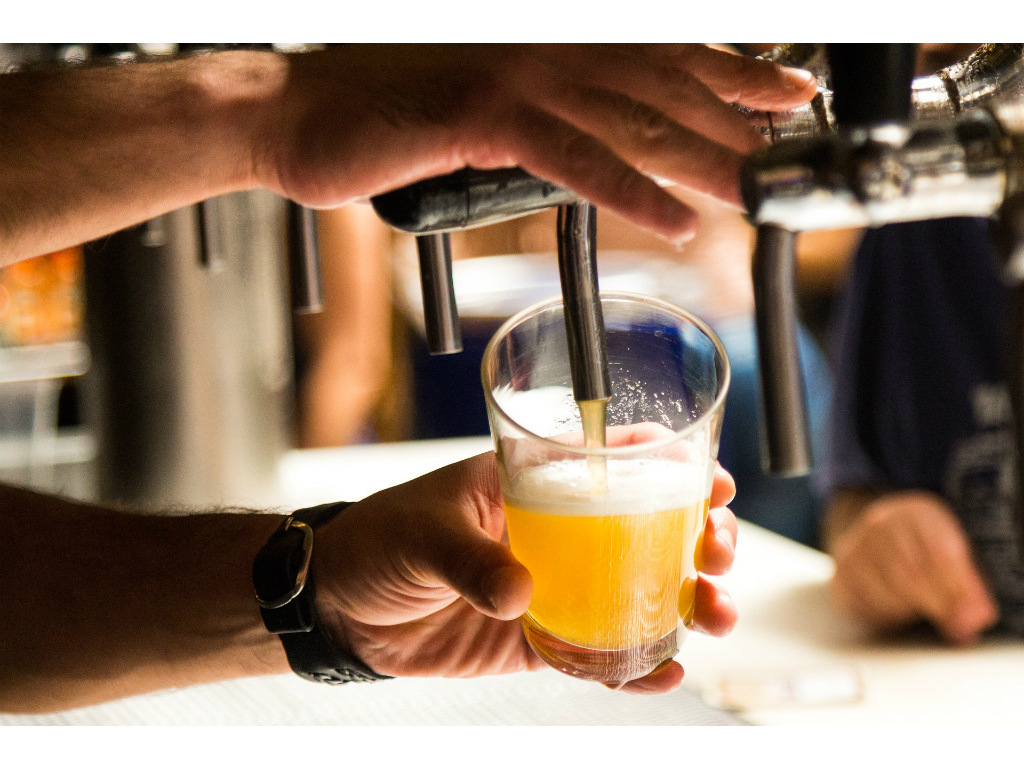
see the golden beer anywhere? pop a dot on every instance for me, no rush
(612, 572)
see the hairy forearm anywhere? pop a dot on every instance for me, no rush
(100, 604)
(85, 152)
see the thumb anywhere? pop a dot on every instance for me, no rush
(480, 569)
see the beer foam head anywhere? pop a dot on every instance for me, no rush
(635, 487)
(544, 411)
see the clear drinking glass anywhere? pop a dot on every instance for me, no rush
(613, 565)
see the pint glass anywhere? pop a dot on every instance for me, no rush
(610, 535)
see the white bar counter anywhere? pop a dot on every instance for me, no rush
(800, 654)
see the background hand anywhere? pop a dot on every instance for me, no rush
(417, 581)
(906, 557)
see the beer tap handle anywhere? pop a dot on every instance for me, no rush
(440, 312)
(871, 82)
(468, 198)
(304, 259)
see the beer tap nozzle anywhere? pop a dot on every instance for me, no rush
(440, 312)
(785, 435)
(584, 320)
(304, 260)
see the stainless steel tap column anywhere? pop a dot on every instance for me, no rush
(584, 320)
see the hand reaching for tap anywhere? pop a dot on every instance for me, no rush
(90, 151)
(599, 119)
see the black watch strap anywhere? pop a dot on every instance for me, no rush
(284, 585)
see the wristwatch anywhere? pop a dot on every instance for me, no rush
(283, 579)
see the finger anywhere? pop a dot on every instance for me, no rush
(652, 142)
(665, 679)
(925, 558)
(892, 549)
(621, 434)
(723, 488)
(663, 85)
(714, 612)
(718, 548)
(557, 151)
(749, 81)
(478, 568)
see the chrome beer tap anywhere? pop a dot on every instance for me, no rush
(993, 74)
(472, 198)
(950, 144)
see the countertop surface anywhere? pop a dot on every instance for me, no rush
(792, 659)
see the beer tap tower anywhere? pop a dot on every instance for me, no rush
(878, 146)
(471, 198)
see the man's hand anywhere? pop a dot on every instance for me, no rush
(417, 579)
(600, 119)
(905, 557)
(89, 151)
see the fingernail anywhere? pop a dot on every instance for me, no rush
(799, 79)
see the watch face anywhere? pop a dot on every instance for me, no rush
(282, 566)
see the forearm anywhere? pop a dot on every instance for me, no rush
(101, 604)
(86, 152)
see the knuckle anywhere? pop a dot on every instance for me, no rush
(648, 126)
(877, 519)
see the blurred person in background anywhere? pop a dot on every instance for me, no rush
(919, 467)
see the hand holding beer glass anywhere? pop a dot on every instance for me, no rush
(611, 535)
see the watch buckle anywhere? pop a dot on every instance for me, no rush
(303, 573)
